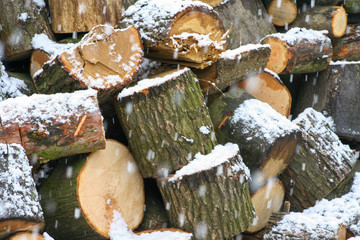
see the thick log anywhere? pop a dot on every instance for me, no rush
(20, 20)
(330, 18)
(299, 50)
(213, 185)
(53, 126)
(248, 20)
(20, 209)
(320, 164)
(283, 12)
(233, 66)
(166, 121)
(268, 87)
(81, 195)
(27, 236)
(101, 60)
(182, 30)
(348, 46)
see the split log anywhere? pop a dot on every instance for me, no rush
(348, 46)
(233, 66)
(53, 126)
(166, 121)
(89, 190)
(180, 31)
(248, 20)
(268, 87)
(283, 12)
(20, 20)
(334, 91)
(20, 209)
(101, 60)
(321, 163)
(27, 236)
(299, 50)
(212, 185)
(266, 138)
(330, 18)
(81, 16)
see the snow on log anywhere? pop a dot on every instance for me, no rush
(320, 164)
(53, 126)
(283, 12)
(211, 185)
(180, 30)
(106, 59)
(162, 118)
(20, 209)
(299, 50)
(348, 46)
(233, 66)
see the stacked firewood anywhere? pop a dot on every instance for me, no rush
(174, 117)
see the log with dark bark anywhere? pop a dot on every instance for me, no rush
(348, 46)
(282, 12)
(20, 209)
(81, 194)
(20, 20)
(101, 60)
(166, 121)
(248, 21)
(210, 196)
(53, 126)
(233, 66)
(180, 31)
(299, 50)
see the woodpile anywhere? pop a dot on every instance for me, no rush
(156, 119)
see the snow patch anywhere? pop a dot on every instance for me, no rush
(43, 42)
(10, 87)
(235, 54)
(344, 62)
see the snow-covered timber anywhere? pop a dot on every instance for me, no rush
(348, 46)
(299, 50)
(268, 87)
(283, 12)
(82, 194)
(166, 233)
(27, 236)
(248, 21)
(330, 18)
(335, 91)
(210, 196)
(266, 138)
(166, 121)
(180, 30)
(20, 209)
(53, 126)
(20, 20)
(106, 59)
(233, 66)
(321, 163)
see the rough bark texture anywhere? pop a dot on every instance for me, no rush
(283, 12)
(348, 46)
(162, 124)
(20, 20)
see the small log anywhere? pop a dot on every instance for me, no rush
(163, 118)
(20, 209)
(299, 50)
(27, 236)
(89, 190)
(330, 18)
(348, 46)
(101, 60)
(233, 66)
(283, 12)
(45, 125)
(321, 163)
(268, 87)
(182, 31)
(213, 185)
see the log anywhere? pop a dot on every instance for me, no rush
(95, 187)
(233, 66)
(37, 60)
(164, 234)
(266, 138)
(27, 236)
(211, 185)
(299, 50)
(101, 60)
(330, 18)
(20, 209)
(347, 47)
(248, 20)
(352, 6)
(53, 126)
(321, 163)
(166, 121)
(20, 20)
(180, 31)
(268, 87)
(283, 12)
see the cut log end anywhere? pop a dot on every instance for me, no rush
(37, 60)
(283, 14)
(339, 22)
(279, 55)
(27, 236)
(10, 226)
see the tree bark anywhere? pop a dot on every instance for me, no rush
(348, 46)
(163, 122)
(283, 12)
(20, 209)
(352, 6)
